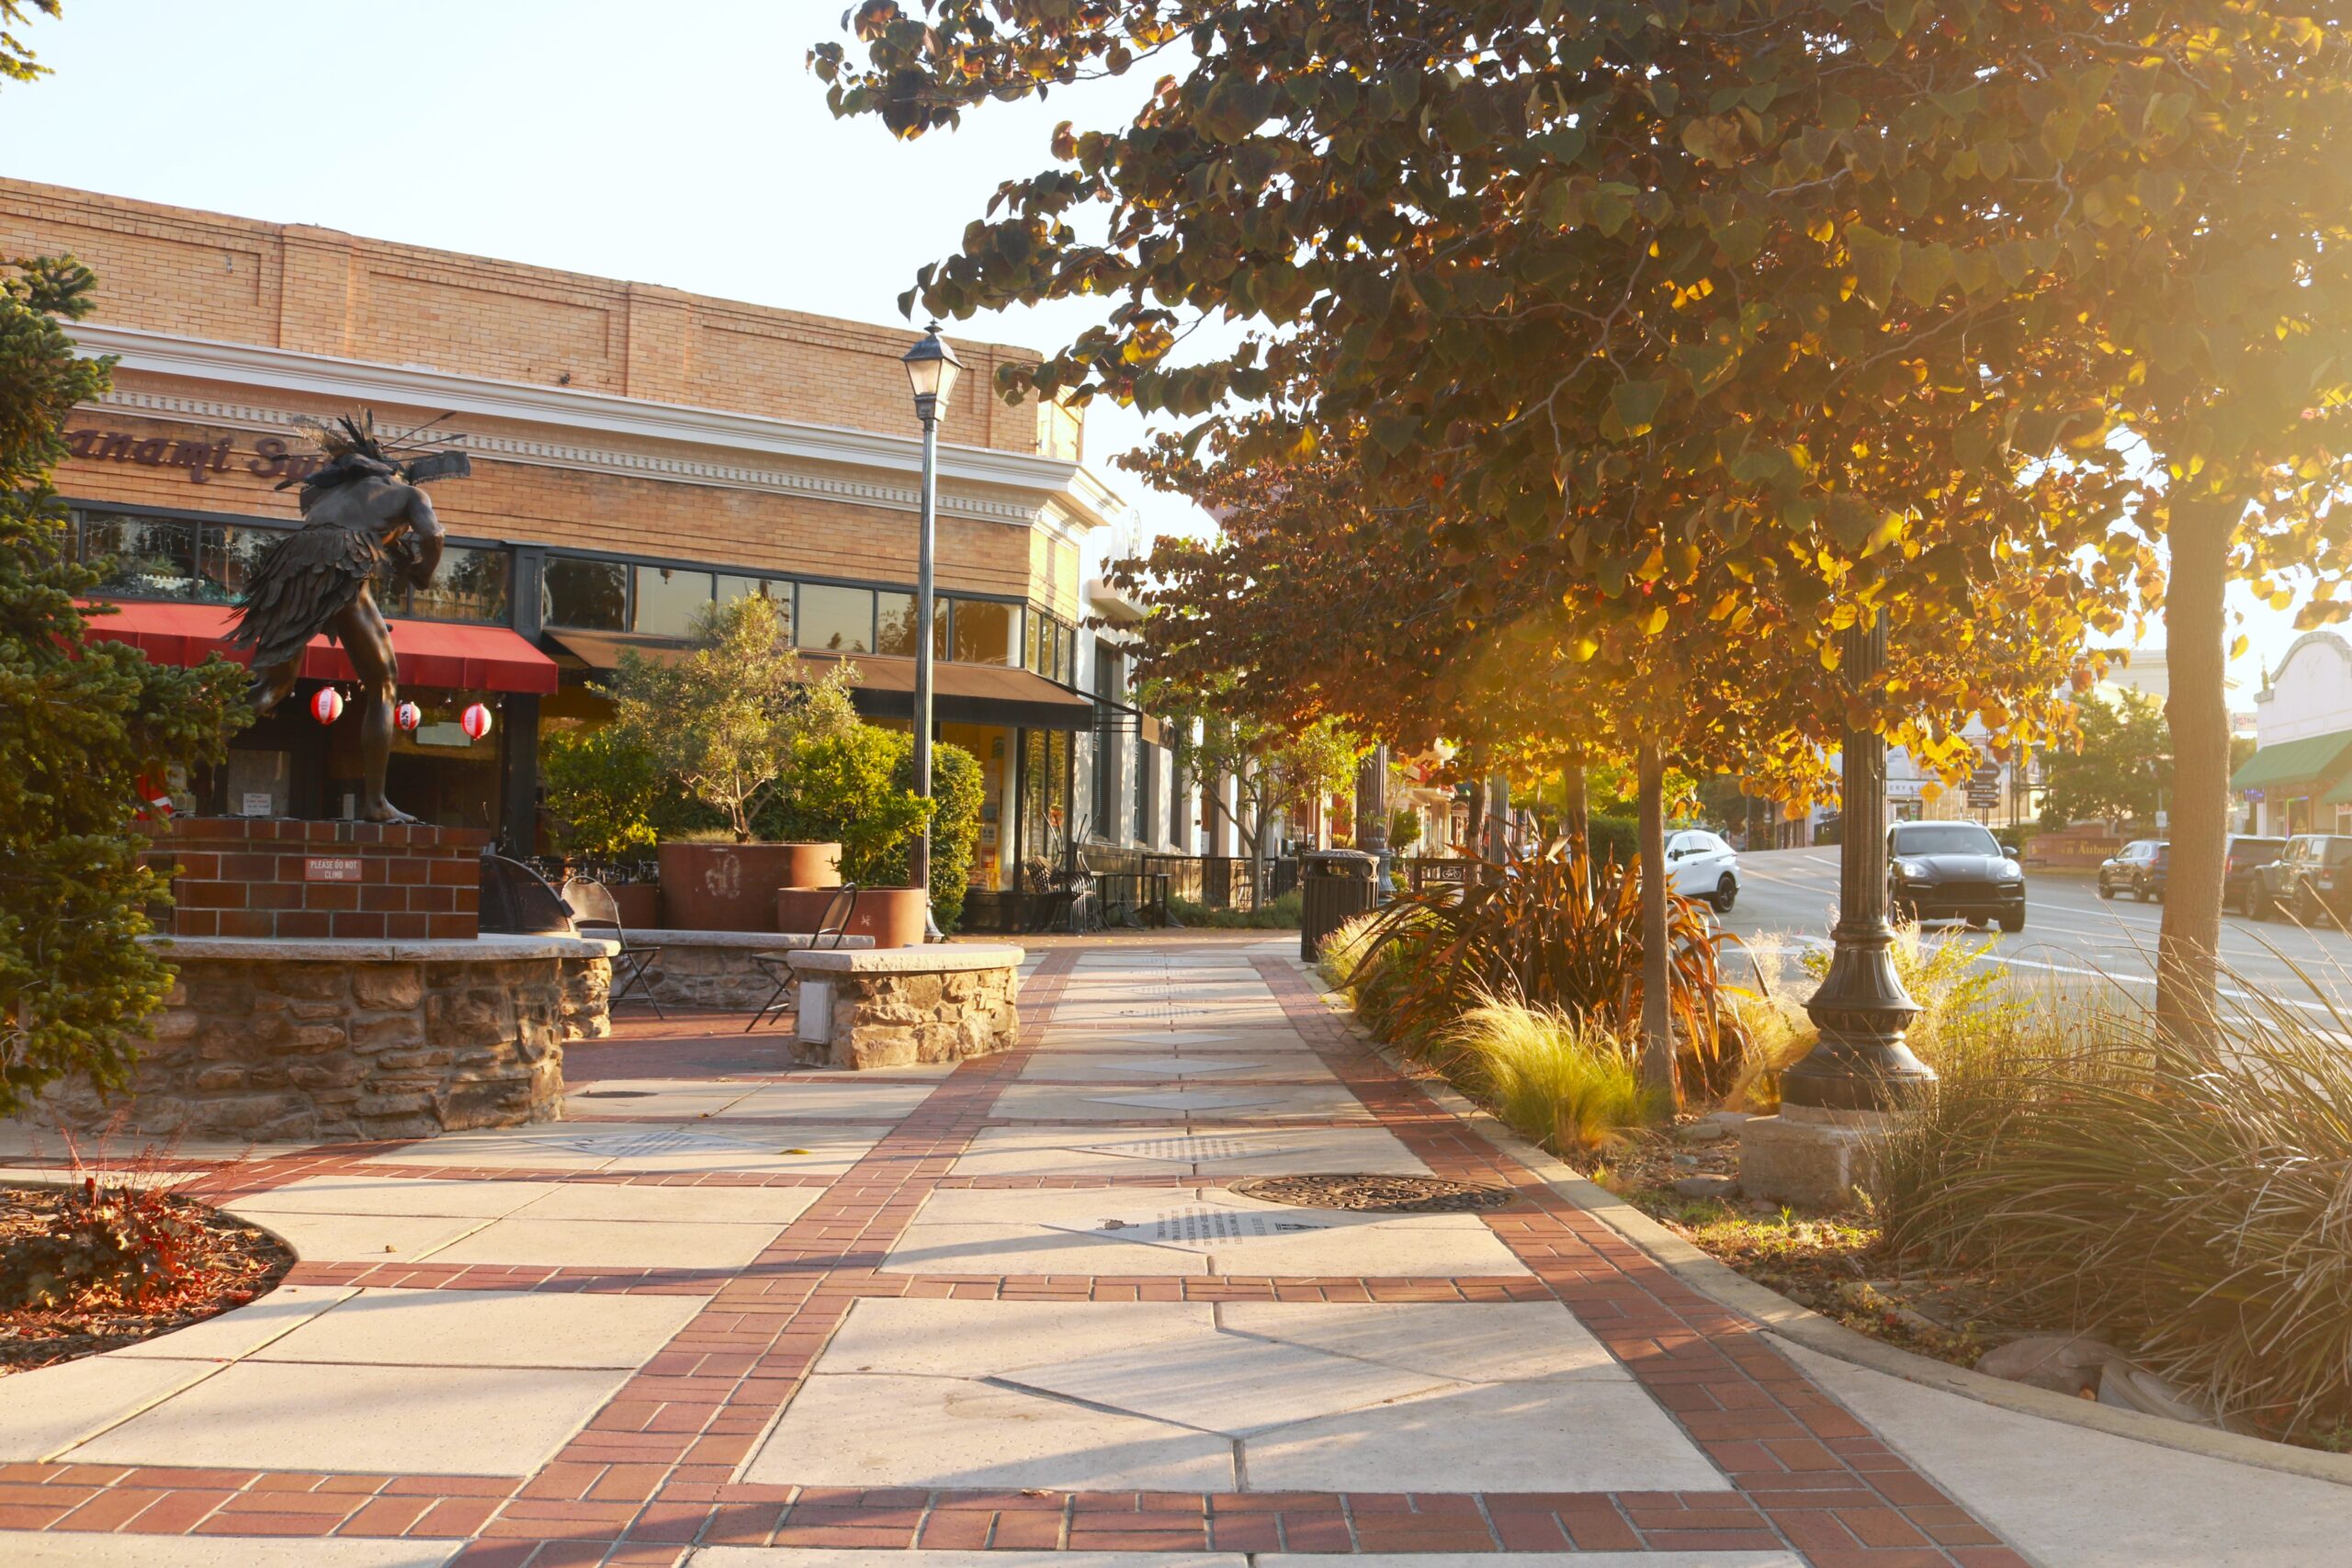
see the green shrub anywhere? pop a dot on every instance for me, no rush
(2198, 1217)
(1614, 838)
(858, 787)
(1556, 1081)
(610, 798)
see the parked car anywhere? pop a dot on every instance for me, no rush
(2310, 879)
(2242, 874)
(1953, 870)
(1699, 864)
(2139, 870)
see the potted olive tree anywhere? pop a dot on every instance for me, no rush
(724, 722)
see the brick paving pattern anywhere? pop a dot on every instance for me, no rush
(658, 1469)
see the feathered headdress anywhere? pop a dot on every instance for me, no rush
(354, 451)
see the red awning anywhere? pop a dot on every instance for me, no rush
(431, 653)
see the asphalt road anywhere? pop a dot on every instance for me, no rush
(2073, 938)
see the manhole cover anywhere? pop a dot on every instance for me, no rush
(1377, 1194)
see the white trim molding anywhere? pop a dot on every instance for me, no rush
(1080, 494)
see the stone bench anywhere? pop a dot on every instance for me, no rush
(714, 969)
(270, 1039)
(901, 1005)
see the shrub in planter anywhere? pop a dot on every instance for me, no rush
(857, 787)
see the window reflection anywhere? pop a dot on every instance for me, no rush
(838, 620)
(986, 632)
(591, 595)
(669, 600)
(895, 630)
(471, 585)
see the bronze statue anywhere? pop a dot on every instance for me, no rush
(361, 510)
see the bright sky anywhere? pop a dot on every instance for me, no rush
(680, 144)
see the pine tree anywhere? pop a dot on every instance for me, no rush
(81, 722)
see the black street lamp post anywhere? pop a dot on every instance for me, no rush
(1832, 1103)
(932, 369)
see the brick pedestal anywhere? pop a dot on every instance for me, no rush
(273, 877)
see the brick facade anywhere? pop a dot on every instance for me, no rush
(243, 876)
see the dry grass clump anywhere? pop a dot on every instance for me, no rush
(1560, 1083)
(2200, 1214)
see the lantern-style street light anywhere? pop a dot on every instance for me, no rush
(932, 369)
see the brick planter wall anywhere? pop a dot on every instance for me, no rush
(270, 1048)
(268, 876)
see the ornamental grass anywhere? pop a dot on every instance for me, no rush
(2199, 1214)
(1553, 1079)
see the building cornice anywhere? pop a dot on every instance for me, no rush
(1078, 494)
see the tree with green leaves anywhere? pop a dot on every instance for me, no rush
(856, 789)
(1278, 770)
(88, 731)
(724, 721)
(2119, 768)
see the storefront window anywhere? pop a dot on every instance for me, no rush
(837, 620)
(471, 585)
(895, 627)
(591, 595)
(987, 633)
(669, 600)
(231, 555)
(144, 558)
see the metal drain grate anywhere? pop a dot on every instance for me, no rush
(1374, 1194)
(1205, 1224)
(1204, 1148)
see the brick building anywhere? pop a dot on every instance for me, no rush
(638, 452)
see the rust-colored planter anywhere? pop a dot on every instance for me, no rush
(639, 904)
(731, 888)
(891, 916)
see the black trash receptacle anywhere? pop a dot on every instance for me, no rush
(1335, 887)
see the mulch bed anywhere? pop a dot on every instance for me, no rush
(220, 1262)
(1378, 1194)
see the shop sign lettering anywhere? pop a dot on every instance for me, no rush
(272, 457)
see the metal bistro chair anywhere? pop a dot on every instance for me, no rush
(594, 912)
(777, 966)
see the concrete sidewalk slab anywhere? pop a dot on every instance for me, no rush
(393, 1326)
(375, 1419)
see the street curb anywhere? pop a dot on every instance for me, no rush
(1775, 1314)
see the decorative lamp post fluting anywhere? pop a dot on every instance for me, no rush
(932, 369)
(1835, 1103)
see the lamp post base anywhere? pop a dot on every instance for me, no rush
(1811, 1156)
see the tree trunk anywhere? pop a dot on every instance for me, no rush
(2198, 709)
(1475, 835)
(1575, 806)
(1657, 1021)
(1499, 818)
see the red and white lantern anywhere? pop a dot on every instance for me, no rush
(327, 706)
(408, 715)
(475, 721)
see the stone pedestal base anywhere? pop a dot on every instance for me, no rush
(897, 1007)
(338, 1041)
(1819, 1158)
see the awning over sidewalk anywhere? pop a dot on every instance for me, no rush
(430, 653)
(2314, 759)
(885, 685)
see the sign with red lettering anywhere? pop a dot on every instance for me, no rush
(331, 868)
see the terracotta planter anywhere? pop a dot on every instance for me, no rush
(639, 904)
(891, 916)
(731, 888)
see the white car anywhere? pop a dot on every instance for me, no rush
(1699, 864)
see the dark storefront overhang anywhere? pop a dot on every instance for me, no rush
(431, 653)
(884, 686)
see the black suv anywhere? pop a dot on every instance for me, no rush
(1953, 870)
(2242, 874)
(2311, 878)
(2139, 870)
